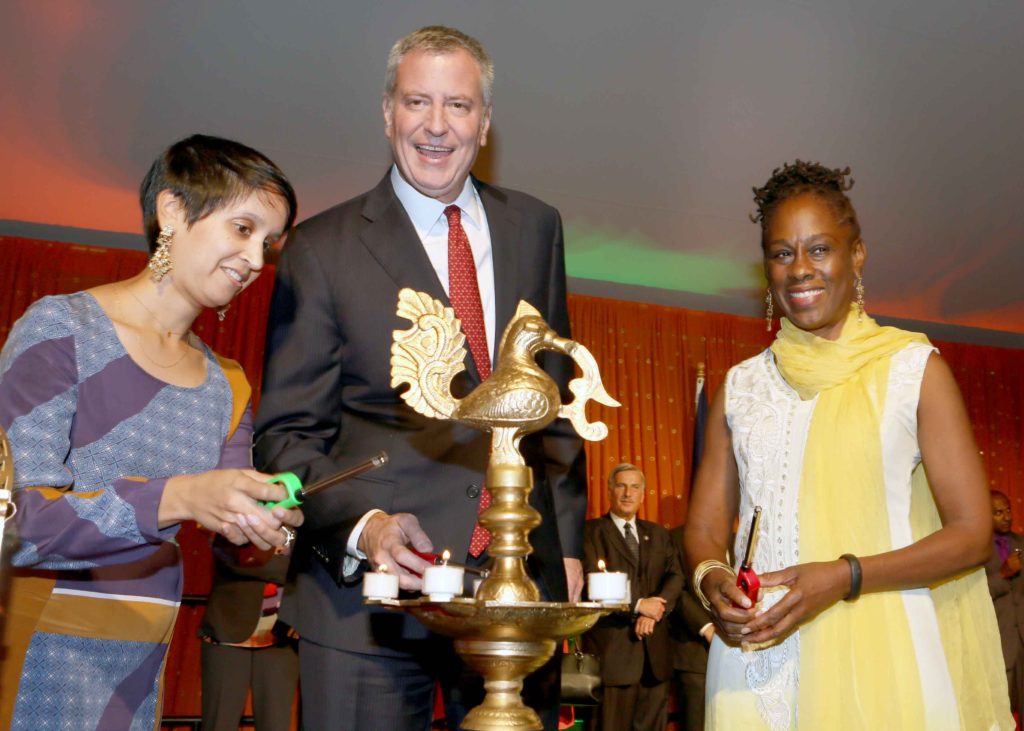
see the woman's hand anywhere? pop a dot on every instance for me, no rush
(731, 610)
(813, 587)
(225, 501)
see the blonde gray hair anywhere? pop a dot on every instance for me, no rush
(439, 39)
(625, 467)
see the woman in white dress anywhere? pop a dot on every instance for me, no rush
(873, 613)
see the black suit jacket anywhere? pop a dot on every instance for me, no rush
(1008, 599)
(658, 574)
(327, 402)
(689, 650)
(235, 603)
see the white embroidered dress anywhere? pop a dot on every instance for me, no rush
(769, 423)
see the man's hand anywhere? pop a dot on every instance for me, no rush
(574, 578)
(386, 539)
(1011, 567)
(652, 607)
(644, 627)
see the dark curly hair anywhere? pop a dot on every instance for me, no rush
(806, 177)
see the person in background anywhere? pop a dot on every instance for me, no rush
(328, 401)
(636, 660)
(690, 630)
(873, 611)
(123, 425)
(1007, 589)
(244, 645)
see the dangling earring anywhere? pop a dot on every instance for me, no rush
(160, 261)
(769, 309)
(859, 301)
(222, 312)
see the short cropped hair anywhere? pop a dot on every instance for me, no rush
(624, 467)
(439, 39)
(206, 173)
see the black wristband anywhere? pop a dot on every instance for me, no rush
(855, 577)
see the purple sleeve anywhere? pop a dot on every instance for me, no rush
(237, 451)
(58, 528)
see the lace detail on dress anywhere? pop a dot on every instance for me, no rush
(906, 368)
(906, 371)
(773, 675)
(768, 423)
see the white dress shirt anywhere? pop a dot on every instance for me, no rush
(427, 216)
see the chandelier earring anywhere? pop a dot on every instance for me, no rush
(160, 261)
(222, 312)
(769, 311)
(859, 301)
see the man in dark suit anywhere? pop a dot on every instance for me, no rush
(1007, 588)
(690, 629)
(636, 661)
(328, 402)
(243, 646)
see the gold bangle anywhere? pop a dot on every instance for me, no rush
(703, 569)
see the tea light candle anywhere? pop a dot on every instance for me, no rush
(380, 584)
(606, 586)
(442, 582)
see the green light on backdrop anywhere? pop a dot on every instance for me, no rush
(632, 259)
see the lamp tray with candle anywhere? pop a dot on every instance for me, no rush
(505, 632)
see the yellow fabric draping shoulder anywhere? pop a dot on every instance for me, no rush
(241, 391)
(858, 666)
(967, 622)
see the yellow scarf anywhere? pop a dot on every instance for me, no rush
(858, 666)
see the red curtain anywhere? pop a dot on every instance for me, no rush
(648, 357)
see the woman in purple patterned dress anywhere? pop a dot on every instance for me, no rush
(123, 424)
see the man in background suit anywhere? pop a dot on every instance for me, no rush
(690, 629)
(1007, 588)
(243, 645)
(636, 660)
(327, 399)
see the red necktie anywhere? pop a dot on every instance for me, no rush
(465, 298)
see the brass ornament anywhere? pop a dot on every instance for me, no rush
(769, 310)
(505, 632)
(8, 539)
(222, 312)
(7, 506)
(160, 261)
(859, 300)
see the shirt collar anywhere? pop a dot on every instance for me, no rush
(425, 211)
(620, 522)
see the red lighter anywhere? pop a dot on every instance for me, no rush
(747, 580)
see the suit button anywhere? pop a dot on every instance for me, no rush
(473, 492)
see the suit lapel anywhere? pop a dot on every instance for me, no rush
(503, 222)
(393, 242)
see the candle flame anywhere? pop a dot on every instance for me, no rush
(382, 569)
(601, 565)
(445, 555)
